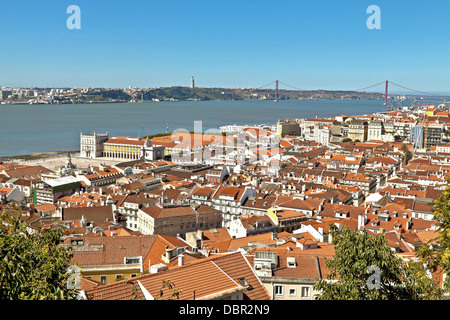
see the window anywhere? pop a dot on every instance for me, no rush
(119, 277)
(291, 262)
(278, 290)
(245, 283)
(132, 260)
(103, 279)
(305, 292)
(292, 292)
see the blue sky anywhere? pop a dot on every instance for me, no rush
(247, 43)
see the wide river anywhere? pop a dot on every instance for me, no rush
(25, 129)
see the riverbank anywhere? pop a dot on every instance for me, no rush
(57, 159)
(39, 155)
(21, 103)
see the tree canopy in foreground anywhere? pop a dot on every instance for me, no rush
(33, 265)
(436, 252)
(367, 269)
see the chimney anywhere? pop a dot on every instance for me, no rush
(320, 207)
(83, 221)
(180, 260)
(168, 254)
(362, 220)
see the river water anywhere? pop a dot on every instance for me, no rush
(25, 129)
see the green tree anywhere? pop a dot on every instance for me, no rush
(173, 291)
(436, 252)
(367, 269)
(33, 265)
(407, 155)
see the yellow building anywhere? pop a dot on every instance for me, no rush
(288, 127)
(286, 220)
(358, 130)
(107, 259)
(431, 112)
(125, 148)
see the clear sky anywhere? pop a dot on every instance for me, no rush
(314, 44)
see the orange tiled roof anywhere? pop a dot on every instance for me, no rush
(126, 141)
(209, 278)
(188, 140)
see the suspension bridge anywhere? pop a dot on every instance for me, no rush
(392, 99)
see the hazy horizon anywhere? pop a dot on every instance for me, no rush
(312, 45)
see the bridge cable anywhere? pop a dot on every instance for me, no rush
(374, 85)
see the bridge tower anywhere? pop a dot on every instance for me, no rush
(386, 93)
(276, 91)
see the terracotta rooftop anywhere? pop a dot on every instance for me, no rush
(209, 278)
(126, 141)
(96, 214)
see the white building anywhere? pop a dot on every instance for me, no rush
(10, 193)
(91, 145)
(235, 129)
(323, 135)
(229, 200)
(375, 130)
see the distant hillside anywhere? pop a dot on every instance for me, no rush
(186, 93)
(105, 95)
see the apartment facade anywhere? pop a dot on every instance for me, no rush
(50, 190)
(176, 220)
(433, 135)
(358, 130)
(289, 275)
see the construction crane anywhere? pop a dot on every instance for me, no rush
(140, 132)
